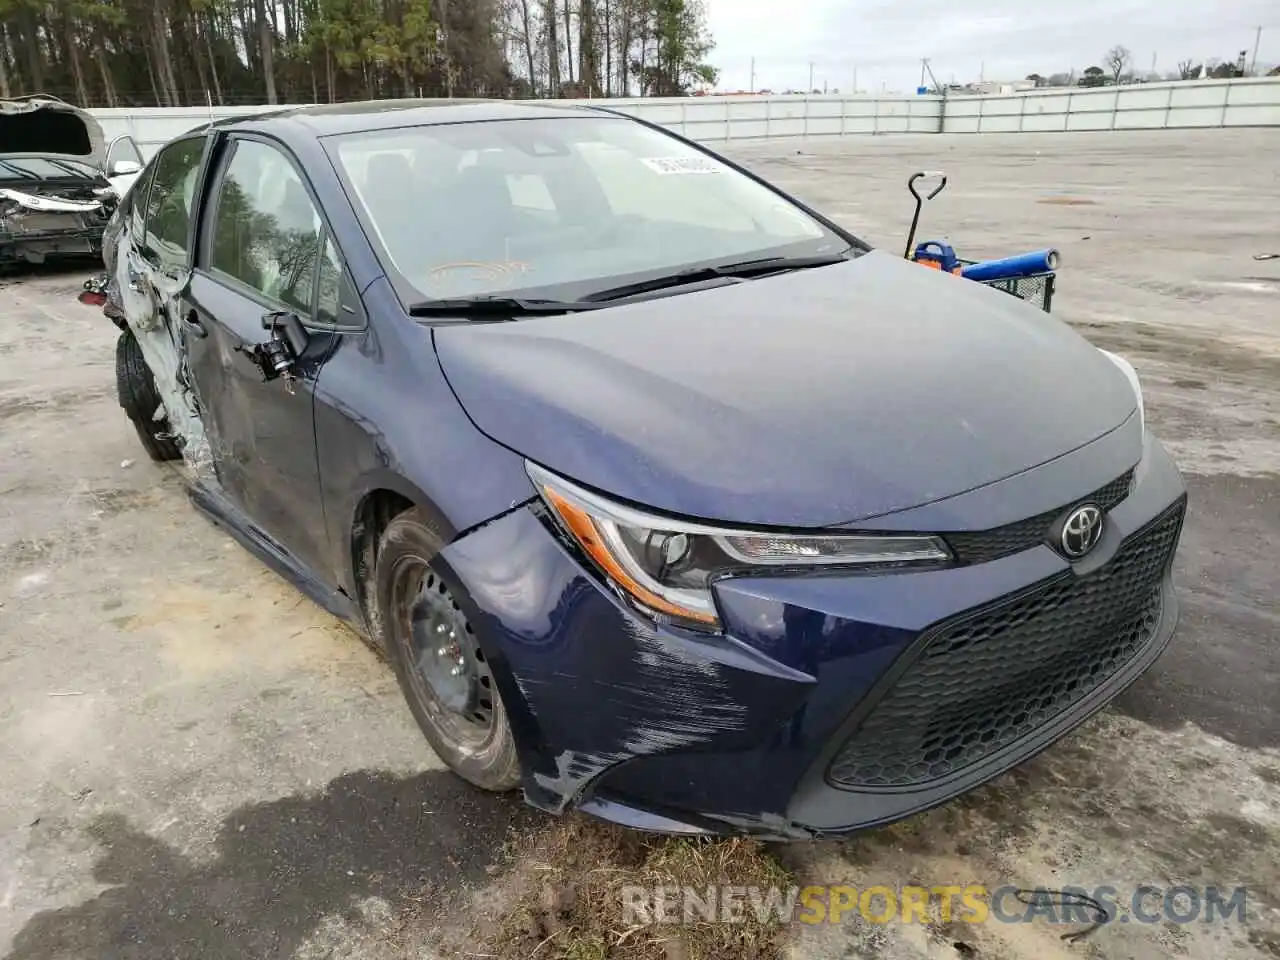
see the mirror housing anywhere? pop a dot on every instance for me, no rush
(123, 168)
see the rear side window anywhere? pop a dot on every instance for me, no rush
(266, 231)
(137, 201)
(169, 204)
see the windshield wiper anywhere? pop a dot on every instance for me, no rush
(742, 269)
(496, 307)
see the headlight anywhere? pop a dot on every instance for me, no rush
(667, 566)
(1127, 369)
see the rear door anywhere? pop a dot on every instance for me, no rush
(263, 249)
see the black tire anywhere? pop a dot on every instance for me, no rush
(413, 603)
(139, 398)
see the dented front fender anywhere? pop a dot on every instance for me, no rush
(589, 683)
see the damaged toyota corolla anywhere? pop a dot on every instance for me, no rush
(59, 181)
(669, 499)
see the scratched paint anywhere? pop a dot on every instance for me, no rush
(150, 302)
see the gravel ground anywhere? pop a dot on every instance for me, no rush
(197, 762)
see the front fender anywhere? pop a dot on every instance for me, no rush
(385, 419)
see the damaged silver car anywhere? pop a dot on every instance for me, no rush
(59, 181)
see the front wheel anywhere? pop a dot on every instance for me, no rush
(441, 667)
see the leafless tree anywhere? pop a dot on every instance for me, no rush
(1116, 59)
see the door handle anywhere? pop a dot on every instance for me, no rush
(195, 325)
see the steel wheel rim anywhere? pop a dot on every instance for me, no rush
(446, 668)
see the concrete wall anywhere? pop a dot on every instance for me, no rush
(1253, 102)
(1194, 103)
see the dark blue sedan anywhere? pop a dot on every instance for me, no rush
(669, 499)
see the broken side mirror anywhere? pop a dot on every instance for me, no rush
(288, 341)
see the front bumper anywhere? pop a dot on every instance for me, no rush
(50, 244)
(833, 702)
(35, 235)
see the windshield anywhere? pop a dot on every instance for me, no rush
(562, 207)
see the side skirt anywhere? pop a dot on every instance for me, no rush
(224, 514)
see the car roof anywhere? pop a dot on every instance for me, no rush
(336, 118)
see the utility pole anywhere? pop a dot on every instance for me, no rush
(1257, 39)
(752, 88)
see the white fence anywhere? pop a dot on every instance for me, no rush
(1253, 102)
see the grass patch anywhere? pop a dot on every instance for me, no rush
(571, 907)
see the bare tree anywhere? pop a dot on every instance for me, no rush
(265, 50)
(551, 41)
(4, 55)
(181, 52)
(1188, 69)
(1116, 59)
(528, 31)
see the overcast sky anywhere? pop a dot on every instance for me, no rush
(1001, 39)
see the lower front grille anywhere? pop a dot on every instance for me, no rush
(999, 673)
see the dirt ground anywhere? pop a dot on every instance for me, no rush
(196, 762)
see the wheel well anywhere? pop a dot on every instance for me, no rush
(376, 510)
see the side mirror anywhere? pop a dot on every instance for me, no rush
(276, 357)
(122, 168)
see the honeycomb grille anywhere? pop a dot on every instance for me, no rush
(1000, 673)
(983, 545)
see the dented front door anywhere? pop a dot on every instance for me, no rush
(261, 241)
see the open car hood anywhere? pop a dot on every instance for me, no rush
(48, 126)
(816, 398)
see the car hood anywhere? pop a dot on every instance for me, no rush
(48, 126)
(815, 398)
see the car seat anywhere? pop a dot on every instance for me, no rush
(482, 217)
(388, 193)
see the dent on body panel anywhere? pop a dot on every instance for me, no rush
(601, 686)
(151, 305)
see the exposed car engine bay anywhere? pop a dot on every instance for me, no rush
(57, 189)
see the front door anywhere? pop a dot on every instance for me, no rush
(261, 251)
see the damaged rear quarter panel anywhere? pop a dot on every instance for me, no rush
(589, 683)
(150, 301)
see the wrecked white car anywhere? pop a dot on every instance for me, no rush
(59, 182)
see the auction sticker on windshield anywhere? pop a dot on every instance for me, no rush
(669, 165)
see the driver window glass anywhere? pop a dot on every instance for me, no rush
(169, 203)
(137, 199)
(329, 289)
(266, 231)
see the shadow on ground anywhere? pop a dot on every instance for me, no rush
(278, 869)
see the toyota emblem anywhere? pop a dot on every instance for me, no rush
(1081, 531)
